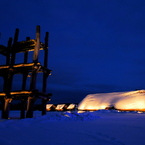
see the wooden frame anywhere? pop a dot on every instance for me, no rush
(11, 68)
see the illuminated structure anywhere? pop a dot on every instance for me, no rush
(27, 97)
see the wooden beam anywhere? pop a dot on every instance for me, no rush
(2, 94)
(26, 92)
(20, 92)
(17, 93)
(4, 66)
(26, 65)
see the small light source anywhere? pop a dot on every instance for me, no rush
(71, 106)
(48, 106)
(60, 107)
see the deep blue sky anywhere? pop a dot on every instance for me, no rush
(95, 45)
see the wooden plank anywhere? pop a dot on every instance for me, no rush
(4, 67)
(26, 46)
(2, 94)
(23, 68)
(26, 65)
(17, 93)
(19, 65)
(20, 92)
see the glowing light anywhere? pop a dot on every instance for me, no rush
(71, 106)
(60, 106)
(132, 100)
(48, 106)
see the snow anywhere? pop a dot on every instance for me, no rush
(103, 127)
(132, 100)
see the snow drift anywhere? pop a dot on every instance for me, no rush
(132, 100)
(103, 127)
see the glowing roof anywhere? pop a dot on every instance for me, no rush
(131, 100)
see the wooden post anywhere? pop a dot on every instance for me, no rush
(5, 86)
(10, 75)
(23, 103)
(6, 106)
(30, 100)
(35, 59)
(26, 53)
(8, 55)
(45, 63)
(37, 46)
(25, 74)
(15, 41)
(8, 83)
(29, 113)
(45, 75)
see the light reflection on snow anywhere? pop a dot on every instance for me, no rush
(132, 100)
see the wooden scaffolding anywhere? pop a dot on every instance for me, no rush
(27, 97)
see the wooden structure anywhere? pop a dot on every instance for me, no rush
(27, 97)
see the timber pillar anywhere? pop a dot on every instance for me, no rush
(30, 103)
(6, 106)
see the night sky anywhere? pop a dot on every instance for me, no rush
(94, 46)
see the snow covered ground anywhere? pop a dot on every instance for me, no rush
(103, 127)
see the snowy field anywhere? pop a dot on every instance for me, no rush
(104, 127)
